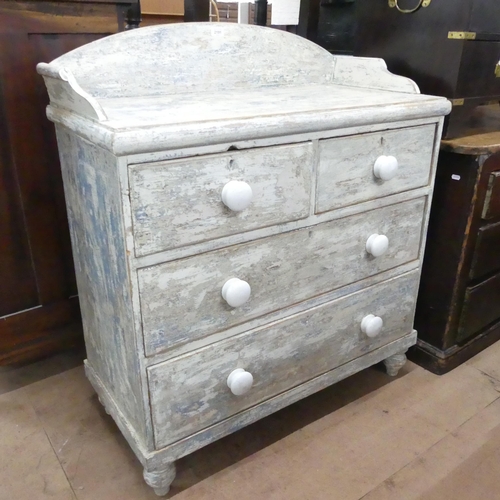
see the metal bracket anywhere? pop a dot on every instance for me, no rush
(461, 35)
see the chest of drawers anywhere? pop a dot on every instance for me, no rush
(247, 214)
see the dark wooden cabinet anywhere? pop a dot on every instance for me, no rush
(450, 48)
(39, 311)
(458, 308)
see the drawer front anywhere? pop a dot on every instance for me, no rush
(346, 165)
(487, 252)
(175, 203)
(181, 300)
(481, 307)
(190, 393)
(491, 208)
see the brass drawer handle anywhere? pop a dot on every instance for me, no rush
(421, 3)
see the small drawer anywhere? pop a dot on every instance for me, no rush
(487, 252)
(182, 300)
(481, 307)
(191, 392)
(179, 202)
(348, 173)
(491, 208)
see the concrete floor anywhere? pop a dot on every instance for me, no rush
(418, 436)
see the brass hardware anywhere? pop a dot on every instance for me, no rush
(461, 35)
(421, 3)
(457, 102)
(497, 70)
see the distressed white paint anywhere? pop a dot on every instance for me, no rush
(203, 89)
(311, 91)
(176, 203)
(182, 301)
(65, 92)
(346, 166)
(191, 393)
(93, 201)
(372, 73)
(155, 459)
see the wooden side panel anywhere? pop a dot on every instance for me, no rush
(181, 300)
(345, 171)
(190, 393)
(92, 191)
(176, 203)
(441, 288)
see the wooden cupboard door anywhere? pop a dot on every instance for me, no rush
(38, 291)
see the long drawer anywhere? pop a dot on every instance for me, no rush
(190, 393)
(346, 165)
(487, 251)
(179, 202)
(491, 208)
(481, 307)
(182, 301)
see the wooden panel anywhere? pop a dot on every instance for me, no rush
(181, 300)
(445, 266)
(345, 172)
(197, 59)
(191, 393)
(196, 10)
(58, 17)
(164, 7)
(481, 307)
(36, 263)
(477, 70)
(485, 16)
(405, 42)
(487, 252)
(18, 286)
(92, 189)
(492, 201)
(34, 159)
(39, 331)
(170, 210)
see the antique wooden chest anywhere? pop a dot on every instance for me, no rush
(449, 48)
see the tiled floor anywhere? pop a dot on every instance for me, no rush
(419, 436)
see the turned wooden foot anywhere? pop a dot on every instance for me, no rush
(160, 479)
(394, 363)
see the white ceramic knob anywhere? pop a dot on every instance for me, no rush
(372, 325)
(236, 292)
(377, 244)
(385, 167)
(237, 195)
(240, 381)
